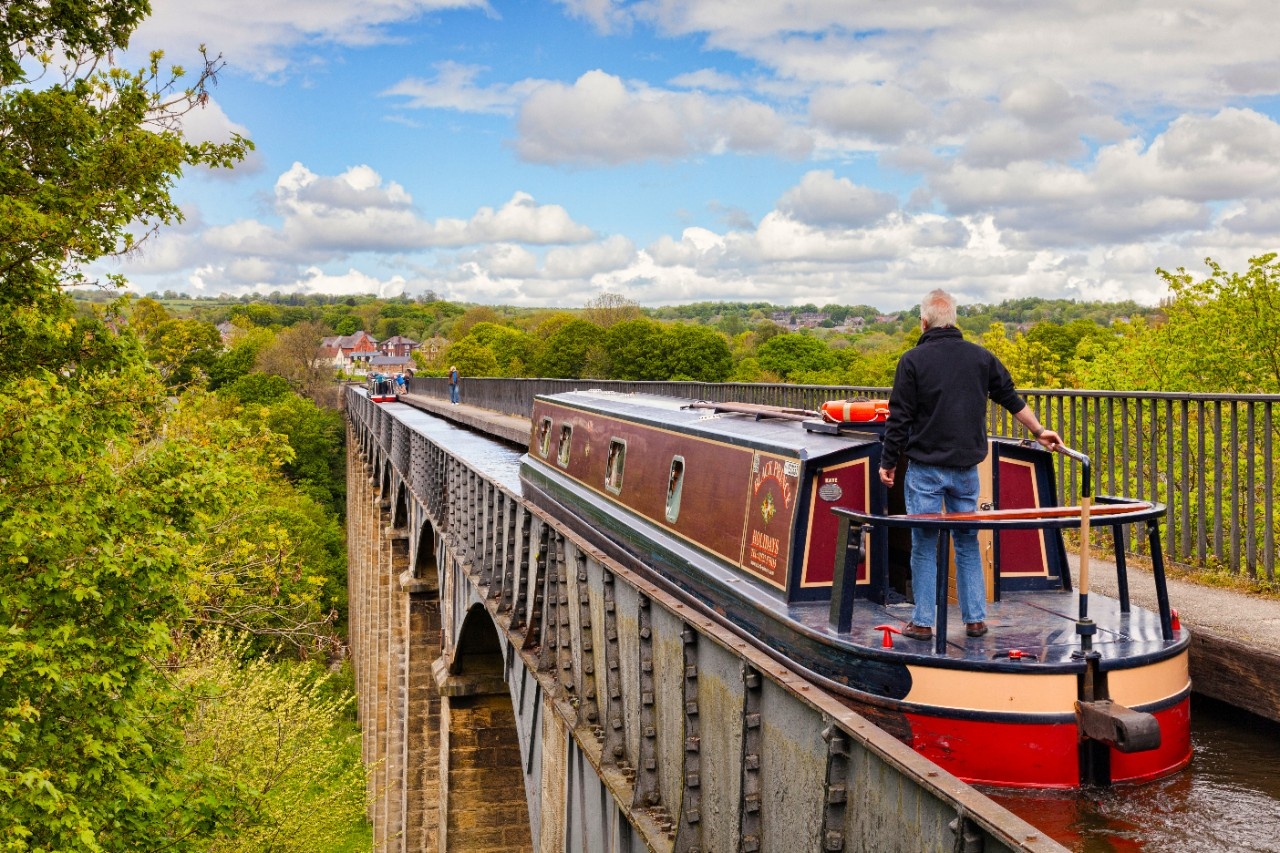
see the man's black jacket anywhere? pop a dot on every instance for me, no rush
(938, 407)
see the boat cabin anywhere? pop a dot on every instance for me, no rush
(748, 487)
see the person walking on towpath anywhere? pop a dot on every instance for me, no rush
(453, 385)
(937, 420)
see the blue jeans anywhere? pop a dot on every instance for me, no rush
(932, 488)
(453, 393)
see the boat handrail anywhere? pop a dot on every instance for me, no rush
(855, 525)
(1114, 510)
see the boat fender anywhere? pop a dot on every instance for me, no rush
(1115, 725)
(855, 411)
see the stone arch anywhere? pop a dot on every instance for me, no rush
(484, 807)
(400, 505)
(425, 564)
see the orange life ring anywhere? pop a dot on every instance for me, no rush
(856, 411)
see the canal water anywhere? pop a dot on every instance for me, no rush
(1227, 801)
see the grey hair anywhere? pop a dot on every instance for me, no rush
(938, 308)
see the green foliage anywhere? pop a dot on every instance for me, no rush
(566, 352)
(698, 353)
(282, 733)
(316, 437)
(511, 348)
(790, 355)
(183, 350)
(636, 350)
(259, 388)
(472, 358)
(238, 361)
(95, 511)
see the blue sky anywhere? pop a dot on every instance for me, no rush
(852, 151)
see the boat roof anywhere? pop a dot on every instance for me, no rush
(756, 430)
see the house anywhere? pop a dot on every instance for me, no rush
(346, 352)
(398, 345)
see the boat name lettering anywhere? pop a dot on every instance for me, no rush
(774, 470)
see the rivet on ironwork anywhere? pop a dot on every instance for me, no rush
(646, 665)
(752, 803)
(645, 632)
(752, 680)
(833, 841)
(691, 671)
(616, 722)
(753, 721)
(750, 844)
(692, 744)
(650, 731)
(692, 780)
(751, 761)
(646, 698)
(837, 794)
(691, 708)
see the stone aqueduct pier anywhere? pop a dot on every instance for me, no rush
(520, 691)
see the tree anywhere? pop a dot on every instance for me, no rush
(609, 309)
(637, 351)
(698, 353)
(279, 731)
(471, 357)
(183, 350)
(86, 161)
(790, 353)
(566, 353)
(511, 348)
(238, 361)
(1223, 328)
(95, 497)
(295, 356)
(472, 316)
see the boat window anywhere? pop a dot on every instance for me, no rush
(566, 438)
(613, 468)
(544, 437)
(675, 483)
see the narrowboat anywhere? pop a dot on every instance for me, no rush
(773, 521)
(382, 389)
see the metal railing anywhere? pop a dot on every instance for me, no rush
(1210, 458)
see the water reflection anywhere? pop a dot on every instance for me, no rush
(1227, 800)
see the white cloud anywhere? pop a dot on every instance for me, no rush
(881, 113)
(611, 254)
(600, 120)
(454, 88)
(825, 200)
(271, 39)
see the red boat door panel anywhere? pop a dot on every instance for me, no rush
(847, 484)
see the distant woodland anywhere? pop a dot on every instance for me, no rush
(1214, 333)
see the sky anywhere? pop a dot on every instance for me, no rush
(673, 151)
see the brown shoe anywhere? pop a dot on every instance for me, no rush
(975, 629)
(917, 632)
